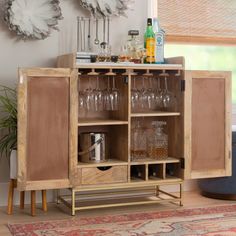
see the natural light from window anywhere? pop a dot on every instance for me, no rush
(202, 57)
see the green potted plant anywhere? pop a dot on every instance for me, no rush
(8, 127)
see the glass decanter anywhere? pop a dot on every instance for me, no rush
(158, 141)
(138, 142)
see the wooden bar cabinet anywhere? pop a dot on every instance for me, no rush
(50, 122)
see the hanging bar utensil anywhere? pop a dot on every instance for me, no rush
(103, 44)
(89, 34)
(84, 36)
(108, 30)
(96, 40)
(78, 34)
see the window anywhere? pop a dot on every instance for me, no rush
(203, 57)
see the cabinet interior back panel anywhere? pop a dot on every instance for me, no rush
(47, 128)
(208, 124)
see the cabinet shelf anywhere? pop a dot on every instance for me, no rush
(157, 181)
(154, 114)
(154, 161)
(97, 122)
(110, 162)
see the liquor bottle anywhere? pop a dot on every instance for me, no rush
(159, 41)
(157, 143)
(149, 43)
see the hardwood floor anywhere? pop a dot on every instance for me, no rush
(55, 212)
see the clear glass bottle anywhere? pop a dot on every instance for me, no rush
(133, 46)
(138, 142)
(158, 141)
(159, 40)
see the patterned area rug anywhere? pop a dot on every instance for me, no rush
(211, 221)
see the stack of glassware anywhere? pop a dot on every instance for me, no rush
(98, 99)
(149, 97)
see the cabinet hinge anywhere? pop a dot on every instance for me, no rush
(182, 85)
(182, 163)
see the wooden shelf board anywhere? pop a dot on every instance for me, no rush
(154, 178)
(110, 162)
(134, 179)
(96, 122)
(129, 66)
(155, 161)
(153, 114)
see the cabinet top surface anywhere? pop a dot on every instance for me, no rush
(101, 65)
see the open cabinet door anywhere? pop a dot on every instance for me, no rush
(44, 128)
(207, 124)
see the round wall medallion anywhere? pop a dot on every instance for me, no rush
(101, 8)
(33, 19)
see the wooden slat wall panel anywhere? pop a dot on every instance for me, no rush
(198, 21)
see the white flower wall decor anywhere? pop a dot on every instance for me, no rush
(32, 19)
(101, 8)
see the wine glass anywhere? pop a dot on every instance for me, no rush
(114, 96)
(158, 95)
(89, 97)
(106, 96)
(143, 96)
(151, 99)
(135, 96)
(168, 98)
(98, 97)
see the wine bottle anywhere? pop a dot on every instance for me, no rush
(149, 43)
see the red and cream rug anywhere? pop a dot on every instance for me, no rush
(210, 221)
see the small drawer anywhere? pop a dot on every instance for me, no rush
(104, 175)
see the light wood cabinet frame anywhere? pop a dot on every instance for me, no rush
(39, 73)
(226, 170)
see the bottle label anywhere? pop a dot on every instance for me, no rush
(159, 54)
(150, 50)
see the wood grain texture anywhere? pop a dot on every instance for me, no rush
(208, 126)
(43, 96)
(47, 128)
(207, 143)
(116, 174)
(74, 174)
(33, 203)
(21, 128)
(66, 61)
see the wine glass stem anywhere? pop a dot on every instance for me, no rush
(113, 80)
(98, 83)
(166, 84)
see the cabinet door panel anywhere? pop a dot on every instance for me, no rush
(208, 128)
(48, 111)
(43, 128)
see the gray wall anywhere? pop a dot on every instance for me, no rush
(16, 53)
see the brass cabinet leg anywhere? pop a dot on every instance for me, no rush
(57, 196)
(157, 191)
(181, 194)
(44, 200)
(33, 203)
(10, 197)
(22, 200)
(73, 203)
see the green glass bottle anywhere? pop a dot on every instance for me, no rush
(149, 43)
